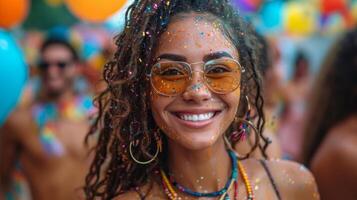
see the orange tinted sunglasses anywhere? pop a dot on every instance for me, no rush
(171, 78)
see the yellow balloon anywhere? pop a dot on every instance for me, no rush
(12, 12)
(300, 18)
(94, 10)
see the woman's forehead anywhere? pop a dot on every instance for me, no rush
(193, 33)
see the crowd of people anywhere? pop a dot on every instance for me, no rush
(191, 104)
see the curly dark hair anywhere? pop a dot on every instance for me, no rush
(334, 94)
(124, 112)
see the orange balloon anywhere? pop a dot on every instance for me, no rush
(12, 12)
(94, 10)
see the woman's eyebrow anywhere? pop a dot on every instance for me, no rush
(211, 56)
(216, 55)
(170, 56)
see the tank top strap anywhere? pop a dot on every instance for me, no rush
(266, 168)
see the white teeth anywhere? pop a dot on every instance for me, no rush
(196, 117)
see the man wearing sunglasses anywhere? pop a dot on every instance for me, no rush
(44, 143)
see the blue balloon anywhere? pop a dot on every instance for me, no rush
(13, 74)
(271, 17)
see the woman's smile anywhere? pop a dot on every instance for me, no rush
(195, 117)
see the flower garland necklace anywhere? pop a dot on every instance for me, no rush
(46, 115)
(233, 181)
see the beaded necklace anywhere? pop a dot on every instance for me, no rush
(225, 196)
(233, 177)
(248, 186)
(172, 195)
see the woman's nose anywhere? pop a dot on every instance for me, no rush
(197, 91)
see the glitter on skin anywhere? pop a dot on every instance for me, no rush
(196, 87)
(303, 168)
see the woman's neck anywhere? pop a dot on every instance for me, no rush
(205, 170)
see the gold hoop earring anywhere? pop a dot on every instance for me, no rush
(158, 149)
(252, 126)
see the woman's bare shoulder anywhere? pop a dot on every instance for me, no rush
(338, 150)
(335, 162)
(292, 180)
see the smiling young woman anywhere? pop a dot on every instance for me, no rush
(178, 88)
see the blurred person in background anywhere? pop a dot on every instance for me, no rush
(331, 128)
(44, 142)
(294, 97)
(267, 54)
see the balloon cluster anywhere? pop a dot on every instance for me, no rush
(302, 18)
(14, 12)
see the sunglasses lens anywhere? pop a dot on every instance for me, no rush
(170, 78)
(222, 75)
(62, 64)
(43, 65)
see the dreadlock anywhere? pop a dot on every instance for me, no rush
(124, 113)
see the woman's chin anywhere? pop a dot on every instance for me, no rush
(195, 141)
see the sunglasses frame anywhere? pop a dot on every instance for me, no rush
(57, 64)
(189, 67)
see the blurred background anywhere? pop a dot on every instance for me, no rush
(298, 34)
(293, 25)
(307, 27)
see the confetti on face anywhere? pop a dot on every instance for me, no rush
(198, 19)
(196, 87)
(198, 45)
